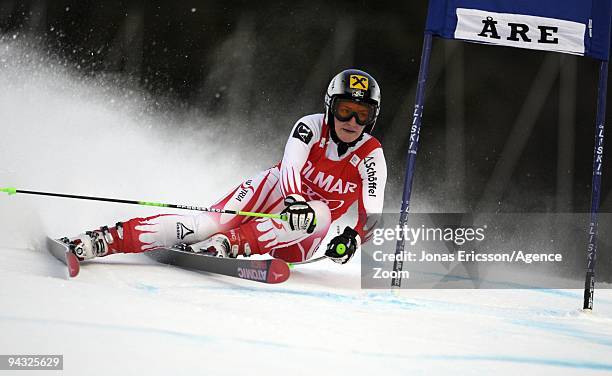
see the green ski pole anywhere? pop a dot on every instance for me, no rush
(13, 191)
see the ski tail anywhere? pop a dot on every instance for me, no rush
(61, 251)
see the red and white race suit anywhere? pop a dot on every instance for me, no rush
(311, 168)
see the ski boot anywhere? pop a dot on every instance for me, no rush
(228, 244)
(91, 244)
(217, 245)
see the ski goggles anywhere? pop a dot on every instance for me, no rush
(345, 109)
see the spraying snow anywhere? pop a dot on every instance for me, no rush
(63, 132)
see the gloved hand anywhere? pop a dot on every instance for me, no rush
(299, 214)
(342, 248)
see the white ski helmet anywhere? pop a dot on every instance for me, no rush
(357, 86)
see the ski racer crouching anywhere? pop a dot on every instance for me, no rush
(330, 161)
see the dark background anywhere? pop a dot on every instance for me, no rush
(269, 62)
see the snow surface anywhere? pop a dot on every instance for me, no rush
(129, 315)
(126, 314)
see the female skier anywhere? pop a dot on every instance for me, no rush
(330, 161)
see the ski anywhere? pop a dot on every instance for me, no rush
(265, 271)
(60, 251)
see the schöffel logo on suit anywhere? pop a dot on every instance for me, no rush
(371, 172)
(523, 31)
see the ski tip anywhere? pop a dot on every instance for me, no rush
(73, 264)
(278, 272)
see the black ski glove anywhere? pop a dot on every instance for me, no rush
(299, 214)
(342, 248)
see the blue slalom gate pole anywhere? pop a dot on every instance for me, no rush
(589, 284)
(413, 147)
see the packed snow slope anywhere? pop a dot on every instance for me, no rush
(127, 314)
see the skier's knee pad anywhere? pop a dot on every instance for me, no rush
(307, 247)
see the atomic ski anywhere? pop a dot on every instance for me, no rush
(62, 252)
(266, 271)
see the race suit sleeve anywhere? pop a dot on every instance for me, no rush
(373, 172)
(305, 133)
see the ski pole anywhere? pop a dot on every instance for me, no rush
(12, 191)
(292, 264)
(340, 248)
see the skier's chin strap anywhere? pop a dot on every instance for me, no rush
(342, 146)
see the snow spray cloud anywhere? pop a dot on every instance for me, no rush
(64, 132)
